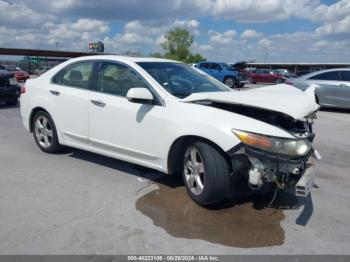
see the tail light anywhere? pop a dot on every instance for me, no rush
(23, 89)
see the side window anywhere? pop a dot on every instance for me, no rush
(334, 75)
(215, 66)
(75, 75)
(345, 75)
(204, 65)
(117, 79)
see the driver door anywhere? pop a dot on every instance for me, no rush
(123, 129)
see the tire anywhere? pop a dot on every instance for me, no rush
(12, 102)
(230, 82)
(206, 173)
(251, 80)
(45, 133)
(279, 81)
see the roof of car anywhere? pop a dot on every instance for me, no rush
(125, 58)
(324, 71)
(211, 62)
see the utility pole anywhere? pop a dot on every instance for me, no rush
(57, 44)
(266, 54)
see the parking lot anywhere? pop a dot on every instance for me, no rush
(77, 202)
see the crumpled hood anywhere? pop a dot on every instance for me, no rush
(280, 98)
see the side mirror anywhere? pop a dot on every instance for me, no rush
(140, 95)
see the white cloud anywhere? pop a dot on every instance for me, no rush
(198, 48)
(332, 12)
(73, 23)
(250, 33)
(19, 15)
(337, 27)
(90, 25)
(225, 38)
(147, 36)
(261, 11)
(265, 43)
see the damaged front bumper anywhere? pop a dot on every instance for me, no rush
(283, 172)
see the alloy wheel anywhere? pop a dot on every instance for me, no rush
(229, 82)
(43, 131)
(194, 170)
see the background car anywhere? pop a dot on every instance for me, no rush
(9, 89)
(332, 86)
(265, 76)
(284, 72)
(42, 69)
(222, 72)
(19, 74)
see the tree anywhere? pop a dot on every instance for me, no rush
(156, 54)
(195, 58)
(177, 44)
(132, 53)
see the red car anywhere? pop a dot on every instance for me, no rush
(265, 76)
(19, 74)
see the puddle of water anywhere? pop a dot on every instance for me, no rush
(245, 224)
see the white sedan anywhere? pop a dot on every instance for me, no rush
(171, 117)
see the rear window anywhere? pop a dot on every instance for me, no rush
(75, 75)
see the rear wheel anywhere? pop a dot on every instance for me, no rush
(205, 173)
(279, 81)
(45, 133)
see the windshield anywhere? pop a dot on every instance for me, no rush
(181, 80)
(225, 66)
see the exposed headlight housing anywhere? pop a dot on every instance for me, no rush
(283, 146)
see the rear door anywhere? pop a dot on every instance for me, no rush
(342, 90)
(69, 93)
(326, 83)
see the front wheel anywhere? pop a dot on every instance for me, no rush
(45, 133)
(230, 82)
(205, 173)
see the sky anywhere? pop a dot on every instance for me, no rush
(224, 30)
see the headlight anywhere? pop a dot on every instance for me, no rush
(284, 146)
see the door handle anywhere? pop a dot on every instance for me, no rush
(98, 103)
(54, 92)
